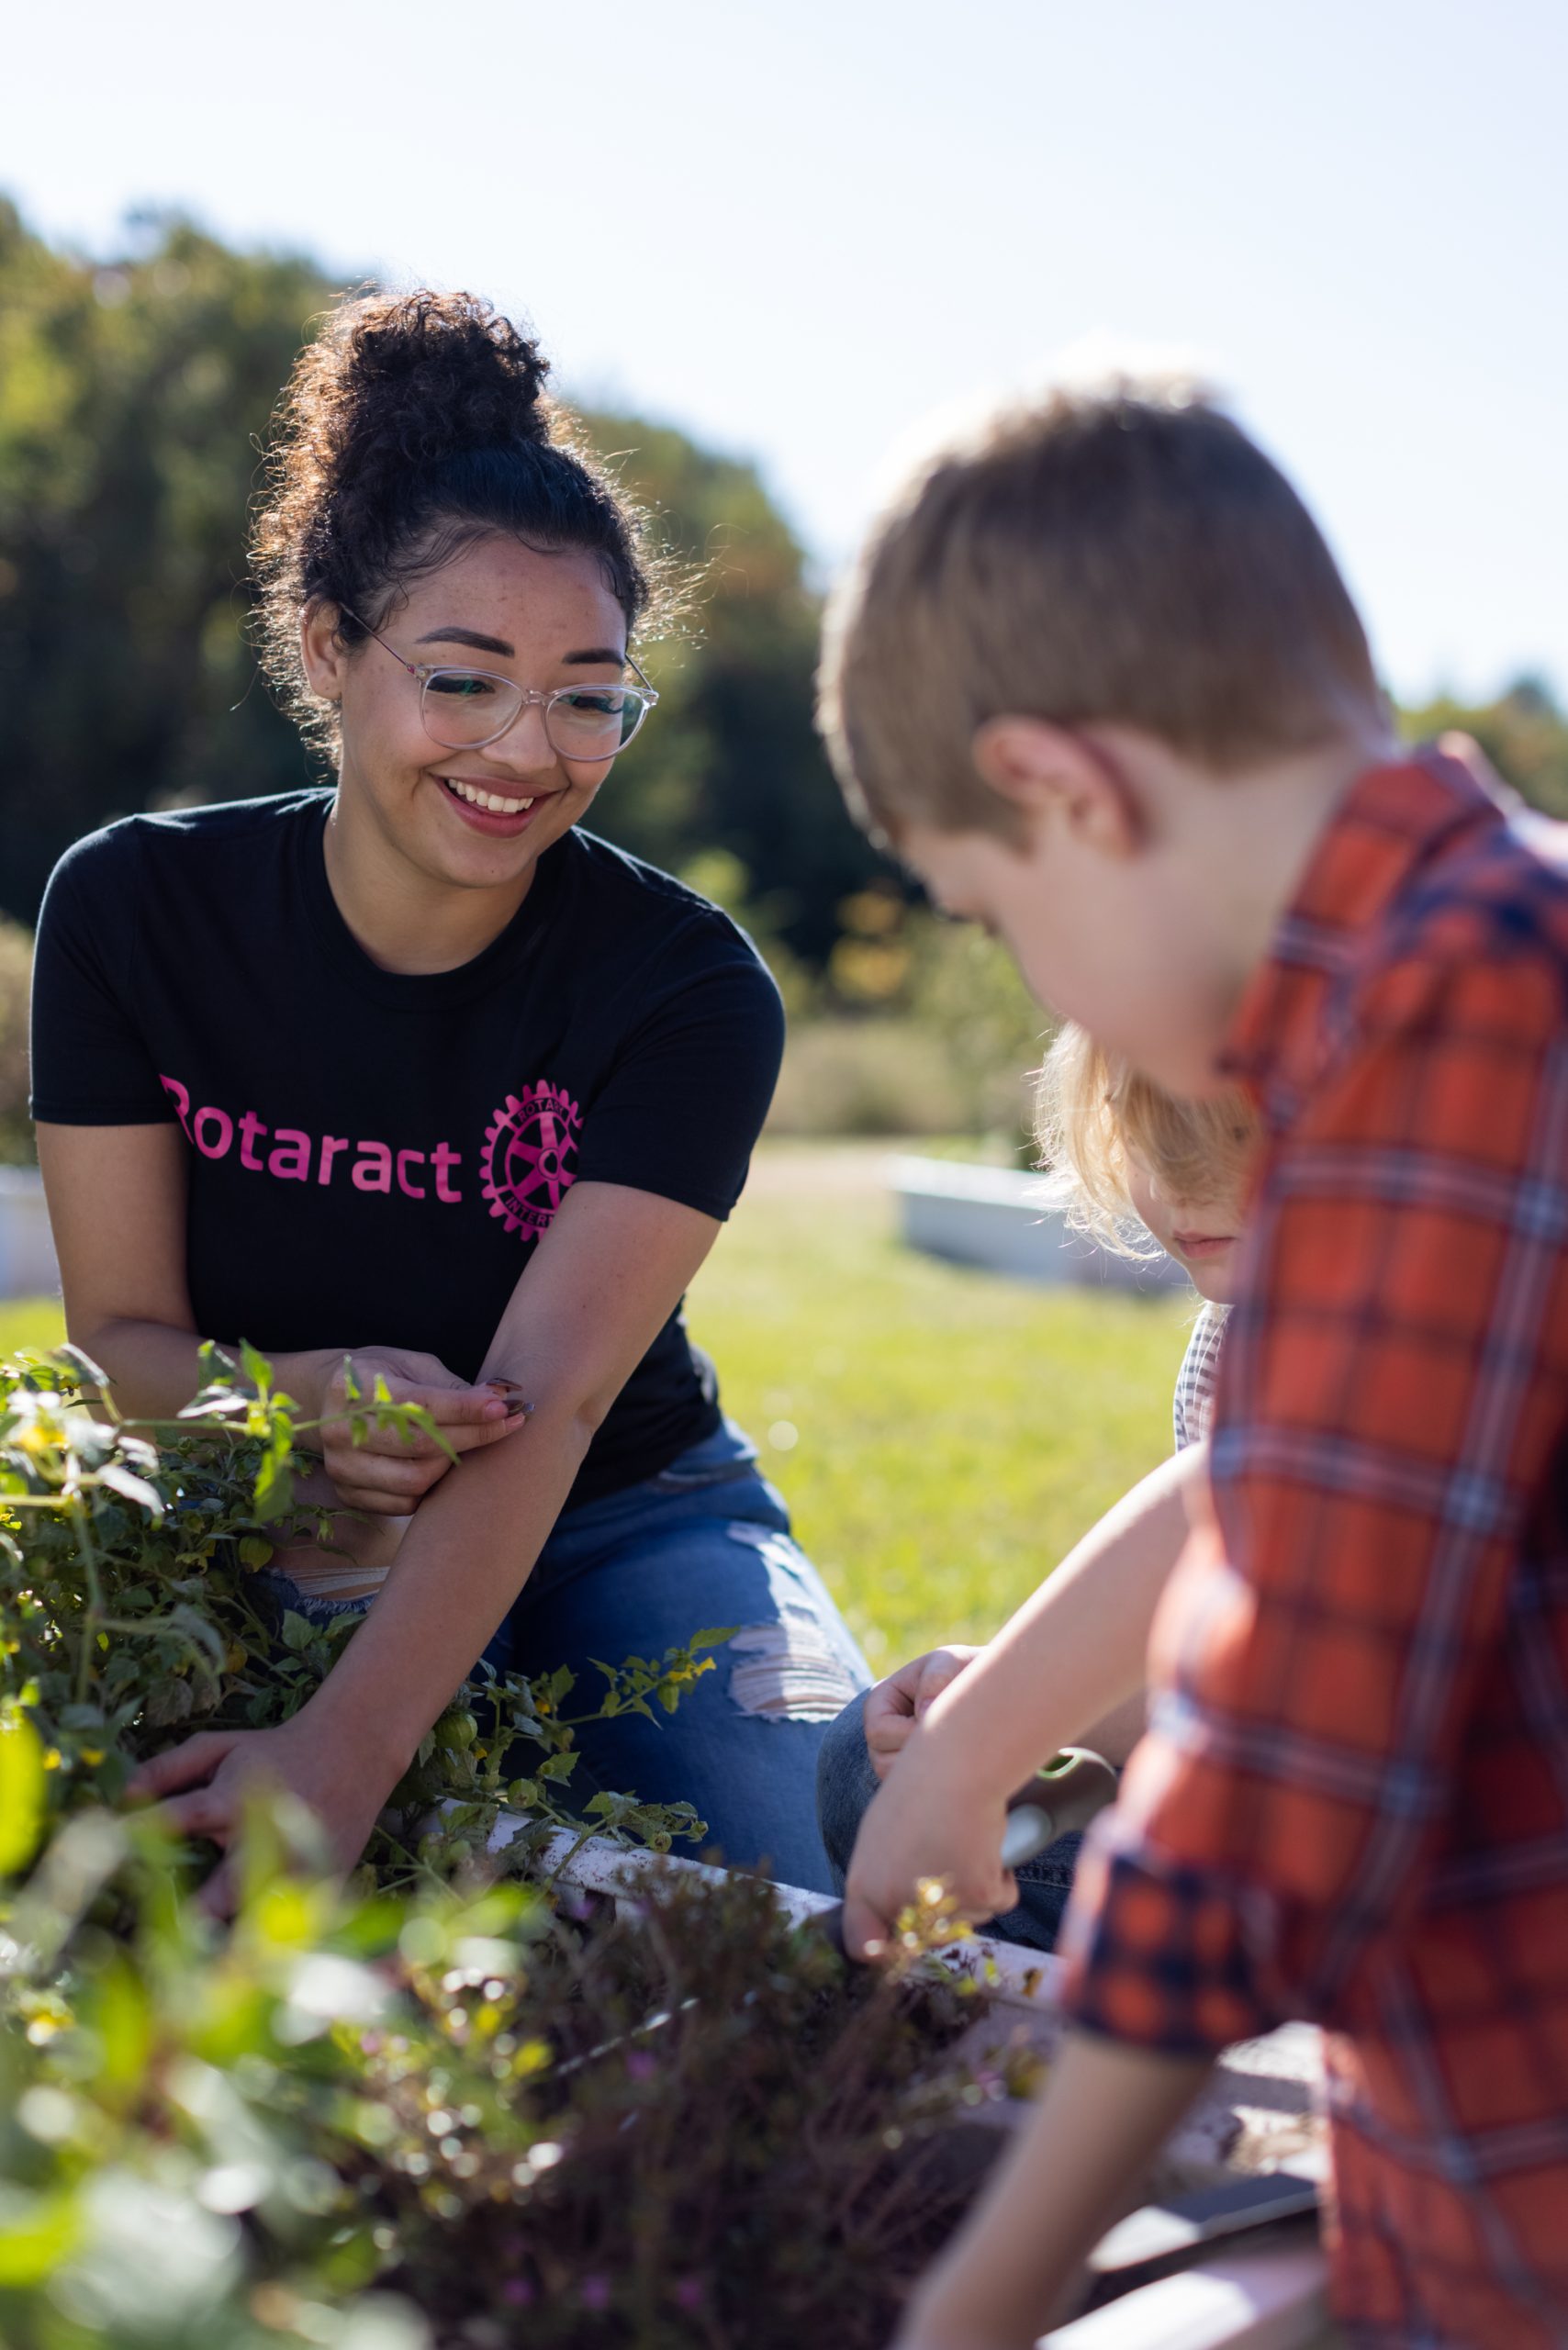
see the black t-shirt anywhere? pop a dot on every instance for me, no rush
(373, 1155)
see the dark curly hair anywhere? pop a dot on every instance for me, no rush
(413, 425)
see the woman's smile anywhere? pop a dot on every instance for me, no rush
(502, 815)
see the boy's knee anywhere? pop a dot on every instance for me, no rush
(846, 1784)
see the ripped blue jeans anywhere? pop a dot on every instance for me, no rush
(705, 1542)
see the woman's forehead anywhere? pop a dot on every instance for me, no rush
(508, 591)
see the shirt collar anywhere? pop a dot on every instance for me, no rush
(1389, 824)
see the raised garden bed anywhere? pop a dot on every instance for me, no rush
(995, 1218)
(1258, 2116)
(28, 1263)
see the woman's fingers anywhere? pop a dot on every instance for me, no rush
(472, 1436)
(397, 1482)
(186, 1765)
(219, 1897)
(465, 1418)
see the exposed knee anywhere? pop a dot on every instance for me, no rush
(788, 1671)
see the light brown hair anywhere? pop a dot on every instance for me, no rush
(1124, 554)
(1090, 1108)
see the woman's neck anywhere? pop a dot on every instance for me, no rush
(404, 918)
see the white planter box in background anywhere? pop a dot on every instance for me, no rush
(993, 1218)
(27, 1265)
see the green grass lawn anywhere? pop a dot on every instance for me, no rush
(954, 1432)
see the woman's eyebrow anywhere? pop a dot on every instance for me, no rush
(468, 637)
(480, 643)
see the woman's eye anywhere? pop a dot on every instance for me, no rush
(607, 703)
(466, 684)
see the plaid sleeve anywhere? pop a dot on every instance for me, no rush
(1393, 1387)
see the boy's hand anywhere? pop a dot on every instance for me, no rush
(925, 1820)
(899, 1704)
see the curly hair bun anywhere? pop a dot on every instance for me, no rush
(428, 376)
(414, 423)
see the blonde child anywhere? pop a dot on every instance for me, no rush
(1127, 1164)
(1099, 679)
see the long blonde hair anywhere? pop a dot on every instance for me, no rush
(1090, 1108)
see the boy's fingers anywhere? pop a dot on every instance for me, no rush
(180, 1766)
(865, 1934)
(888, 1743)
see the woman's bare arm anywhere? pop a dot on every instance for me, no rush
(598, 1288)
(116, 1205)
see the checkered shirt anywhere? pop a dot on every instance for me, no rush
(1352, 1803)
(1194, 1402)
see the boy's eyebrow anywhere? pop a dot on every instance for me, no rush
(481, 644)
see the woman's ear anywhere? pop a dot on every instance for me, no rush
(322, 651)
(1055, 775)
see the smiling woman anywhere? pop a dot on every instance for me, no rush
(414, 1059)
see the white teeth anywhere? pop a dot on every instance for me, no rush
(488, 799)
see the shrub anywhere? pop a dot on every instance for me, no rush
(129, 1609)
(17, 1144)
(883, 1075)
(399, 2116)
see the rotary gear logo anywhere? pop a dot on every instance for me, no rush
(530, 1160)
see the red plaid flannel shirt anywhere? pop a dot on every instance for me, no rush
(1352, 1803)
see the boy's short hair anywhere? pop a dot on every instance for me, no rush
(1122, 554)
(1092, 1108)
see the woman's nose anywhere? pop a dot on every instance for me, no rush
(525, 747)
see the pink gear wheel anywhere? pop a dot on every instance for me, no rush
(530, 1160)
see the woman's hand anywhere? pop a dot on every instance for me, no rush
(389, 1474)
(203, 1786)
(899, 1704)
(926, 1819)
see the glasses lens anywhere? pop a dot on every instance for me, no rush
(465, 707)
(594, 721)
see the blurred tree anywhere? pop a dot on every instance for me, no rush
(733, 760)
(132, 398)
(1524, 734)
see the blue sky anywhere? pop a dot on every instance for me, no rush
(796, 231)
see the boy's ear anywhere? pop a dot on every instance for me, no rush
(1054, 772)
(322, 651)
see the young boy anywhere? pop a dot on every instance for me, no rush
(1098, 680)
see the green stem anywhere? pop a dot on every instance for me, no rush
(92, 1621)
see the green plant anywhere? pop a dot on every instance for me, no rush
(394, 2116)
(129, 1611)
(373, 2123)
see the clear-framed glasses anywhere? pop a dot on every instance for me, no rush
(465, 708)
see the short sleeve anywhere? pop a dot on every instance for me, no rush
(685, 1102)
(91, 1066)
